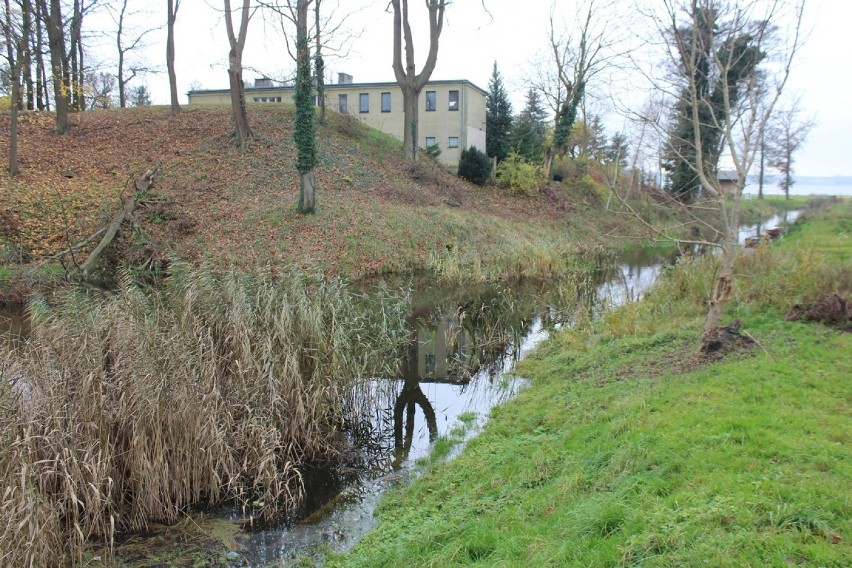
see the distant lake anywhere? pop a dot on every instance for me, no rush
(844, 190)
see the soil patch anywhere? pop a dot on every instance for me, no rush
(833, 311)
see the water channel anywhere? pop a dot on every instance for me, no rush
(464, 343)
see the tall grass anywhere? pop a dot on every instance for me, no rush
(131, 409)
(767, 279)
(516, 258)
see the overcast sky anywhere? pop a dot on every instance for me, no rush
(513, 33)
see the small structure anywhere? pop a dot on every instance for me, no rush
(728, 180)
(451, 115)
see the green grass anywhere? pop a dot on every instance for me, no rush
(626, 452)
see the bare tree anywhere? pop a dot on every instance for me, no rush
(751, 46)
(573, 61)
(786, 134)
(15, 53)
(172, 10)
(237, 42)
(330, 34)
(58, 60)
(410, 82)
(127, 70)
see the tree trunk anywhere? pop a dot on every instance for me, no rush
(242, 130)
(762, 167)
(788, 170)
(76, 87)
(170, 54)
(307, 192)
(122, 84)
(15, 68)
(722, 287)
(320, 65)
(56, 41)
(304, 130)
(411, 106)
(41, 82)
(26, 56)
(723, 284)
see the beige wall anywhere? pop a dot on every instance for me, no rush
(467, 123)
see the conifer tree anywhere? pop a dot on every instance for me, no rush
(498, 118)
(528, 133)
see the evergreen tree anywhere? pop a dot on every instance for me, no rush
(498, 118)
(616, 151)
(682, 158)
(140, 97)
(528, 133)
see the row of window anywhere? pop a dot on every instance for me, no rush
(364, 102)
(452, 142)
(267, 99)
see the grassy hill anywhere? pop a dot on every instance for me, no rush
(376, 213)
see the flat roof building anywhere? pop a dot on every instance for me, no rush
(451, 113)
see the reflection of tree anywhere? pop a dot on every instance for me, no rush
(406, 405)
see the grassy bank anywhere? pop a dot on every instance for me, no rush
(629, 450)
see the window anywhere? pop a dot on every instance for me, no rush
(453, 142)
(454, 100)
(342, 104)
(386, 102)
(364, 102)
(430, 141)
(431, 100)
(257, 99)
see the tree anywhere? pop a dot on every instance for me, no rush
(140, 97)
(127, 71)
(529, 130)
(58, 61)
(304, 131)
(498, 118)
(707, 41)
(410, 82)
(15, 46)
(330, 34)
(723, 46)
(101, 88)
(242, 131)
(171, 15)
(787, 133)
(574, 61)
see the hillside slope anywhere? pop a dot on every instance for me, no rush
(376, 213)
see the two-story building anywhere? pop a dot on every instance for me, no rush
(452, 113)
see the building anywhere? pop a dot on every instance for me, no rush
(452, 113)
(728, 180)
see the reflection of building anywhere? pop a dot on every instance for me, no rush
(451, 115)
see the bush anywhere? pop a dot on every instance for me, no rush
(434, 150)
(520, 176)
(474, 166)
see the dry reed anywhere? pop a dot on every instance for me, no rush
(131, 409)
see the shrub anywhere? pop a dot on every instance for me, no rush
(434, 150)
(519, 175)
(474, 166)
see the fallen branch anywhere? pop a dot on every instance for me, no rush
(140, 186)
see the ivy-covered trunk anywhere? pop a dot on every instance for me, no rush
(304, 131)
